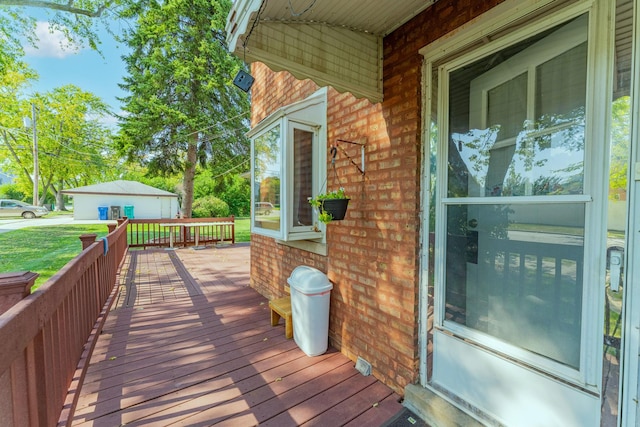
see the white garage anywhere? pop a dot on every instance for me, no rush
(114, 199)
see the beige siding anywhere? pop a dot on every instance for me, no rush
(334, 56)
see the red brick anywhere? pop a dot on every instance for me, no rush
(374, 254)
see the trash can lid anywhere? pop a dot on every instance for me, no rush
(309, 280)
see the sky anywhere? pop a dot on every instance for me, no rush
(58, 66)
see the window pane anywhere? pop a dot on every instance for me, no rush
(515, 272)
(302, 177)
(560, 87)
(515, 133)
(267, 166)
(507, 107)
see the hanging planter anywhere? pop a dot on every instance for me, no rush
(337, 208)
(331, 206)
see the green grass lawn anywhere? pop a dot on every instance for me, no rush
(243, 229)
(45, 250)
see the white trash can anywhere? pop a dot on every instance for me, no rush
(310, 296)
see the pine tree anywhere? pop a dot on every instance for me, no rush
(182, 107)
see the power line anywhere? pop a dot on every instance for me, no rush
(216, 124)
(229, 170)
(255, 23)
(88, 153)
(296, 14)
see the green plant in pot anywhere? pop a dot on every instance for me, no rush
(332, 206)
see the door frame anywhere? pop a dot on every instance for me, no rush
(510, 15)
(629, 408)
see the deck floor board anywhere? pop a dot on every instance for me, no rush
(190, 343)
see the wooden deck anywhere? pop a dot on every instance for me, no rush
(190, 343)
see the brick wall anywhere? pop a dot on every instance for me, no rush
(374, 253)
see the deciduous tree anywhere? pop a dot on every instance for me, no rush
(77, 20)
(74, 147)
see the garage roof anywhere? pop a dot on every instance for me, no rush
(120, 187)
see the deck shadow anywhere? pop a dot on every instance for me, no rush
(212, 357)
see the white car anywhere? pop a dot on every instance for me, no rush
(17, 208)
(263, 208)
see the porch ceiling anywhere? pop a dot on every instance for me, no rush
(334, 42)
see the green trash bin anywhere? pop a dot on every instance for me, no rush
(128, 211)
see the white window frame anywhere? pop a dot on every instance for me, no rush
(309, 114)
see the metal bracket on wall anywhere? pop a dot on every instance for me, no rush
(361, 169)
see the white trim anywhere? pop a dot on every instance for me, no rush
(516, 200)
(525, 358)
(519, 396)
(318, 97)
(292, 231)
(425, 203)
(242, 11)
(629, 412)
(309, 114)
(600, 57)
(440, 209)
(488, 23)
(316, 247)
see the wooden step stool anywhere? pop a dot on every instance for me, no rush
(281, 307)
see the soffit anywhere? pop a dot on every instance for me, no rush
(332, 42)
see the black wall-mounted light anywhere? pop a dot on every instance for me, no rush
(243, 80)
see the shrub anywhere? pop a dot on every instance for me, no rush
(209, 207)
(238, 197)
(10, 191)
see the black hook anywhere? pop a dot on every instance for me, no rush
(334, 153)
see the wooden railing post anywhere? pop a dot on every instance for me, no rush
(112, 227)
(14, 287)
(87, 240)
(233, 230)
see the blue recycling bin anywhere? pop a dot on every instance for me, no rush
(103, 212)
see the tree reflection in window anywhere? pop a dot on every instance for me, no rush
(517, 119)
(267, 166)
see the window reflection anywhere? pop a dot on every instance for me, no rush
(267, 166)
(516, 126)
(515, 133)
(515, 272)
(303, 179)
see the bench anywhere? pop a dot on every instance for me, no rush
(281, 307)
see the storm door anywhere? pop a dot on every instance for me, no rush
(517, 215)
(516, 200)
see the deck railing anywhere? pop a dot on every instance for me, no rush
(145, 233)
(46, 334)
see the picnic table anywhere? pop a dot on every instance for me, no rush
(197, 225)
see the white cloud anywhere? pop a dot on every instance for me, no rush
(107, 120)
(51, 44)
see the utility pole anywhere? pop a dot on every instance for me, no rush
(35, 156)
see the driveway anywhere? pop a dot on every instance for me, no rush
(17, 223)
